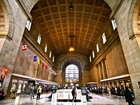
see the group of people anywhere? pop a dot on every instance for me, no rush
(115, 91)
(129, 96)
(32, 92)
(74, 94)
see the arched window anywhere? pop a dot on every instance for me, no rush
(114, 25)
(104, 38)
(97, 47)
(39, 39)
(50, 55)
(72, 73)
(45, 49)
(28, 24)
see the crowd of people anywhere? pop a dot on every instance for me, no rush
(112, 91)
(115, 92)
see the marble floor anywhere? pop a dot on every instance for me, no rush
(96, 100)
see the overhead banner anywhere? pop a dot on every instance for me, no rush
(35, 58)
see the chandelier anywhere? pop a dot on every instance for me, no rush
(71, 49)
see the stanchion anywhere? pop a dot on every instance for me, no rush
(84, 99)
(54, 97)
(68, 97)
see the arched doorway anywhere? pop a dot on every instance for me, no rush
(72, 75)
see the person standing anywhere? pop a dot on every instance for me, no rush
(108, 90)
(13, 93)
(128, 96)
(74, 94)
(32, 91)
(118, 91)
(39, 91)
(2, 94)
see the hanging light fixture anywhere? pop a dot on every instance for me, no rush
(71, 48)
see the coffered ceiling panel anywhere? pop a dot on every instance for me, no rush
(63, 23)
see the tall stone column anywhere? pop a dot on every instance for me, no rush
(11, 45)
(112, 83)
(98, 75)
(100, 71)
(106, 84)
(63, 78)
(129, 36)
(80, 78)
(104, 68)
(118, 83)
(123, 82)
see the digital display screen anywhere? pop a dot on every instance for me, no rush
(53, 87)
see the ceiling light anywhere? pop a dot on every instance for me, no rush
(71, 49)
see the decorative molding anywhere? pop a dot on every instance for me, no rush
(117, 77)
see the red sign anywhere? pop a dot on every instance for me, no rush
(24, 47)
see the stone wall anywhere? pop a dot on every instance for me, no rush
(85, 77)
(58, 78)
(115, 62)
(112, 54)
(130, 45)
(94, 75)
(25, 65)
(11, 46)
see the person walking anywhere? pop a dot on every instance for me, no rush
(39, 91)
(128, 96)
(32, 91)
(74, 94)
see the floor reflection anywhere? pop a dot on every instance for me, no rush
(96, 100)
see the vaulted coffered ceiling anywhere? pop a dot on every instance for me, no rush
(62, 27)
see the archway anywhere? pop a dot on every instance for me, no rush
(72, 75)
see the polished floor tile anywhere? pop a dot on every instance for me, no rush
(96, 100)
